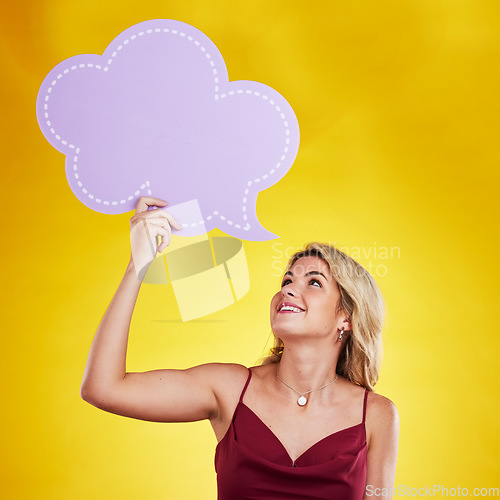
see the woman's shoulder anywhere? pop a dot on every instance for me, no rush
(225, 371)
(381, 407)
(382, 418)
(227, 381)
(376, 403)
(227, 367)
(380, 411)
(225, 377)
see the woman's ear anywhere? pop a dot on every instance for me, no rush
(346, 324)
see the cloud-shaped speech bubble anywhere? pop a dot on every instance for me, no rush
(156, 114)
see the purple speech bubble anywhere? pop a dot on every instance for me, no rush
(156, 115)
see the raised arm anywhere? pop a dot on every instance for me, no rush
(159, 395)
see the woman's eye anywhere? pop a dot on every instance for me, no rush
(316, 283)
(285, 283)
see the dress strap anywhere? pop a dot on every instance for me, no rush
(246, 384)
(364, 406)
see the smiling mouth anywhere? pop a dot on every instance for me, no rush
(289, 308)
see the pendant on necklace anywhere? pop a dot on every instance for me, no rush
(302, 401)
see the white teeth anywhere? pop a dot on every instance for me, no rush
(290, 308)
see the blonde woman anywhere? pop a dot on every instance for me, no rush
(306, 423)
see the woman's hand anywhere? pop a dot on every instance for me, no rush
(150, 232)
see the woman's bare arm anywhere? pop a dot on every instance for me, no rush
(159, 395)
(383, 431)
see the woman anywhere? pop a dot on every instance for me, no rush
(304, 424)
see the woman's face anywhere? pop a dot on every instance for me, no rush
(307, 302)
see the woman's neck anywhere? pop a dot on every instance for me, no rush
(306, 368)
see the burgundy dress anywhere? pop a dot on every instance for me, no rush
(252, 464)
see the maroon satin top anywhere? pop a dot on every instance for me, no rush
(252, 463)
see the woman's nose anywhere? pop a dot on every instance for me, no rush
(288, 291)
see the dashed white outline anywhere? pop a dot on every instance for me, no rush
(146, 184)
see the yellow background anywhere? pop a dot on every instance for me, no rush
(397, 102)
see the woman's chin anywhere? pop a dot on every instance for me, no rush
(290, 333)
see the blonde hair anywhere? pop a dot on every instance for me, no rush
(361, 301)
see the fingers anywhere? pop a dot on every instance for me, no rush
(148, 201)
(158, 226)
(171, 220)
(165, 234)
(158, 217)
(150, 232)
(165, 240)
